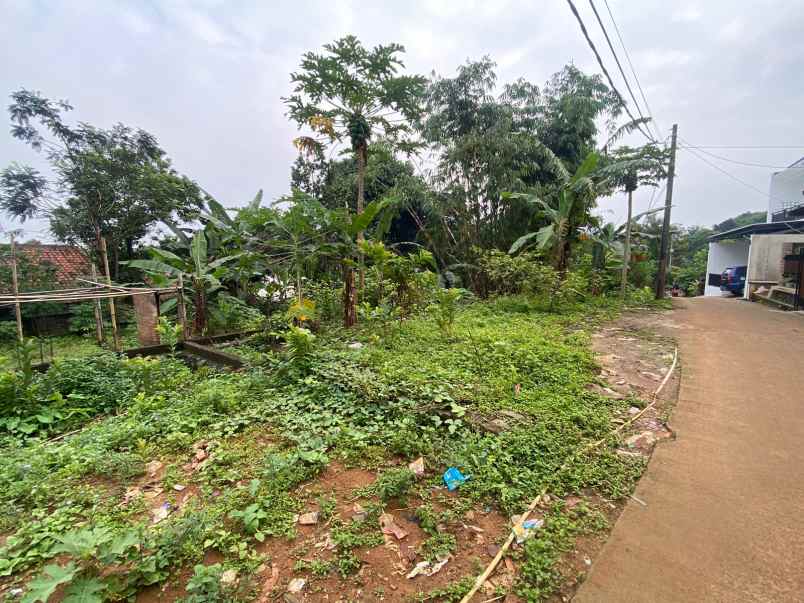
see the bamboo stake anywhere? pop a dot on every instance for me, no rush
(105, 258)
(180, 308)
(15, 287)
(98, 312)
(481, 579)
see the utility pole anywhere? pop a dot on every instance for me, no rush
(661, 277)
(15, 288)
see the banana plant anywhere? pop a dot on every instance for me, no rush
(573, 192)
(202, 273)
(611, 237)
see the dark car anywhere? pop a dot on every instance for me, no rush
(733, 280)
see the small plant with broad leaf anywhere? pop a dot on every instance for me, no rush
(169, 333)
(91, 550)
(445, 308)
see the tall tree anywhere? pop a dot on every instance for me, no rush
(114, 183)
(521, 139)
(352, 93)
(628, 168)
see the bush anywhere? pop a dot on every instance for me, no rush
(233, 314)
(82, 319)
(8, 330)
(502, 274)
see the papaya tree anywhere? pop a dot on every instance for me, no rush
(351, 93)
(626, 169)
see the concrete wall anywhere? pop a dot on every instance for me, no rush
(767, 255)
(786, 186)
(722, 255)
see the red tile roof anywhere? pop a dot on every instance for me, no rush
(70, 262)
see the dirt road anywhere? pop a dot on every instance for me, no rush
(724, 519)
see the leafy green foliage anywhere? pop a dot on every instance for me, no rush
(539, 576)
(445, 307)
(391, 483)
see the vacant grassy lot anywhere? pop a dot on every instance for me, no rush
(122, 478)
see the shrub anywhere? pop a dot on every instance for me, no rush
(8, 330)
(230, 313)
(445, 307)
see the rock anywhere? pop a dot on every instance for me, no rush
(153, 468)
(492, 550)
(643, 439)
(407, 553)
(355, 345)
(200, 455)
(417, 467)
(229, 577)
(470, 515)
(633, 410)
(178, 487)
(474, 529)
(360, 513)
(309, 519)
(296, 585)
(131, 494)
(572, 502)
(160, 513)
(389, 527)
(605, 391)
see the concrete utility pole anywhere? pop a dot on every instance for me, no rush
(661, 277)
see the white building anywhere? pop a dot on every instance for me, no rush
(772, 252)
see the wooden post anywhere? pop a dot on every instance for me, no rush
(105, 260)
(15, 288)
(98, 311)
(664, 251)
(180, 308)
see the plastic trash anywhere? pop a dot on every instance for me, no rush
(525, 530)
(454, 478)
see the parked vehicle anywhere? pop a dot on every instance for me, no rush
(733, 280)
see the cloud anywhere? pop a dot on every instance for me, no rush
(661, 58)
(206, 76)
(732, 31)
(687, 14)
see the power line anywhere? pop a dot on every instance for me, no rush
(762, 147)
(603, 67)
(616, 58)
(732, 176)
(656, 125)
(749, 164)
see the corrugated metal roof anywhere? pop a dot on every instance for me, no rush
(785, 227)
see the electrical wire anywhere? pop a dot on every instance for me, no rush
(603, 67)
(759, 147)
(616, 58)
(655, 122)
(732, 176)
(746, 163)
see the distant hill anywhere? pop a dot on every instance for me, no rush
(744, 219)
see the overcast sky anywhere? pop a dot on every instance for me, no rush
(206, 77)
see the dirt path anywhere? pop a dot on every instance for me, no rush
(724, 519)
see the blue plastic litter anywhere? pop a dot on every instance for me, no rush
(454, 478)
